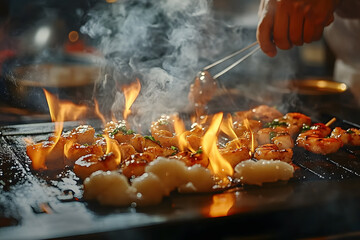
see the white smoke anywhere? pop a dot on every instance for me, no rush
(164, 43)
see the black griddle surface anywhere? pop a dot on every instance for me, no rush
(322, 199)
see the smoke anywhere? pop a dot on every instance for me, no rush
(164, 43)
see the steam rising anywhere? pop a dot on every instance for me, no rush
(164, 43)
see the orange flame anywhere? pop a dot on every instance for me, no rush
(113, 147)
(221, 205)
(227, 127)
(61, 110)
(98, 113)
(179, 128)
(131, 92)
(247, 125)
(218, 165)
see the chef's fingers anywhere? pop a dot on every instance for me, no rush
(264, 32)
(330, 20)
(309, 30)
(281, 27)
(318, 31)
(296, 27)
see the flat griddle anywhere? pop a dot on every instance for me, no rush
(322, 199)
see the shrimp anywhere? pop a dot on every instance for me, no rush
(314, 140)
(235, 156)
(350, 136)
(74, 151)
(263, 113)
(273, 152)
(279, 136)
(83, 134)
(135, 166)
(191, 159)
(241, 142)
(90, 163)
(292, 122)
(165, 122)
(241, 130)
(166, 138)
(47, 154)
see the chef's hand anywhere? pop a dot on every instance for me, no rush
(284, 23)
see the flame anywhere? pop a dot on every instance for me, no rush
(221, 205)
(179, 127)
(247, 125)
(98, 113)
(227, 127)
(131, 92)
(218, 165)
(61, 110)
(113, 147)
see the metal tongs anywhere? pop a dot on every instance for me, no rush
(225, 70)
(205, 85)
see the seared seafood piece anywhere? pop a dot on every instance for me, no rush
(191, 159)
(350, 136)
(283, 141)
(262, 113)
(112, 126)
(263, 171)
(235, 156)
(295, 122)
(126, 150)
(241, 130)
(122, 135)
(90, 163)
(165, 122)
(203, 89)
(166, 138)
(47, 154)
(117, 192)
(161, 151)
(135, 166)
(73, 151)
(314, 140)
(119, 131)
(273, 152)
(279, 136)
(241, 143)
(83, 134)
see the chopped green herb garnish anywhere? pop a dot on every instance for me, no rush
(176, 150)
(272, 135)
(85, 144)
(99, 135)
(123, 129)
(350, 131)
(275, 123)
(150, 138)
(199, 151)
(163, 122)
(305, 128)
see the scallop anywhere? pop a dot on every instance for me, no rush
(263, 171)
